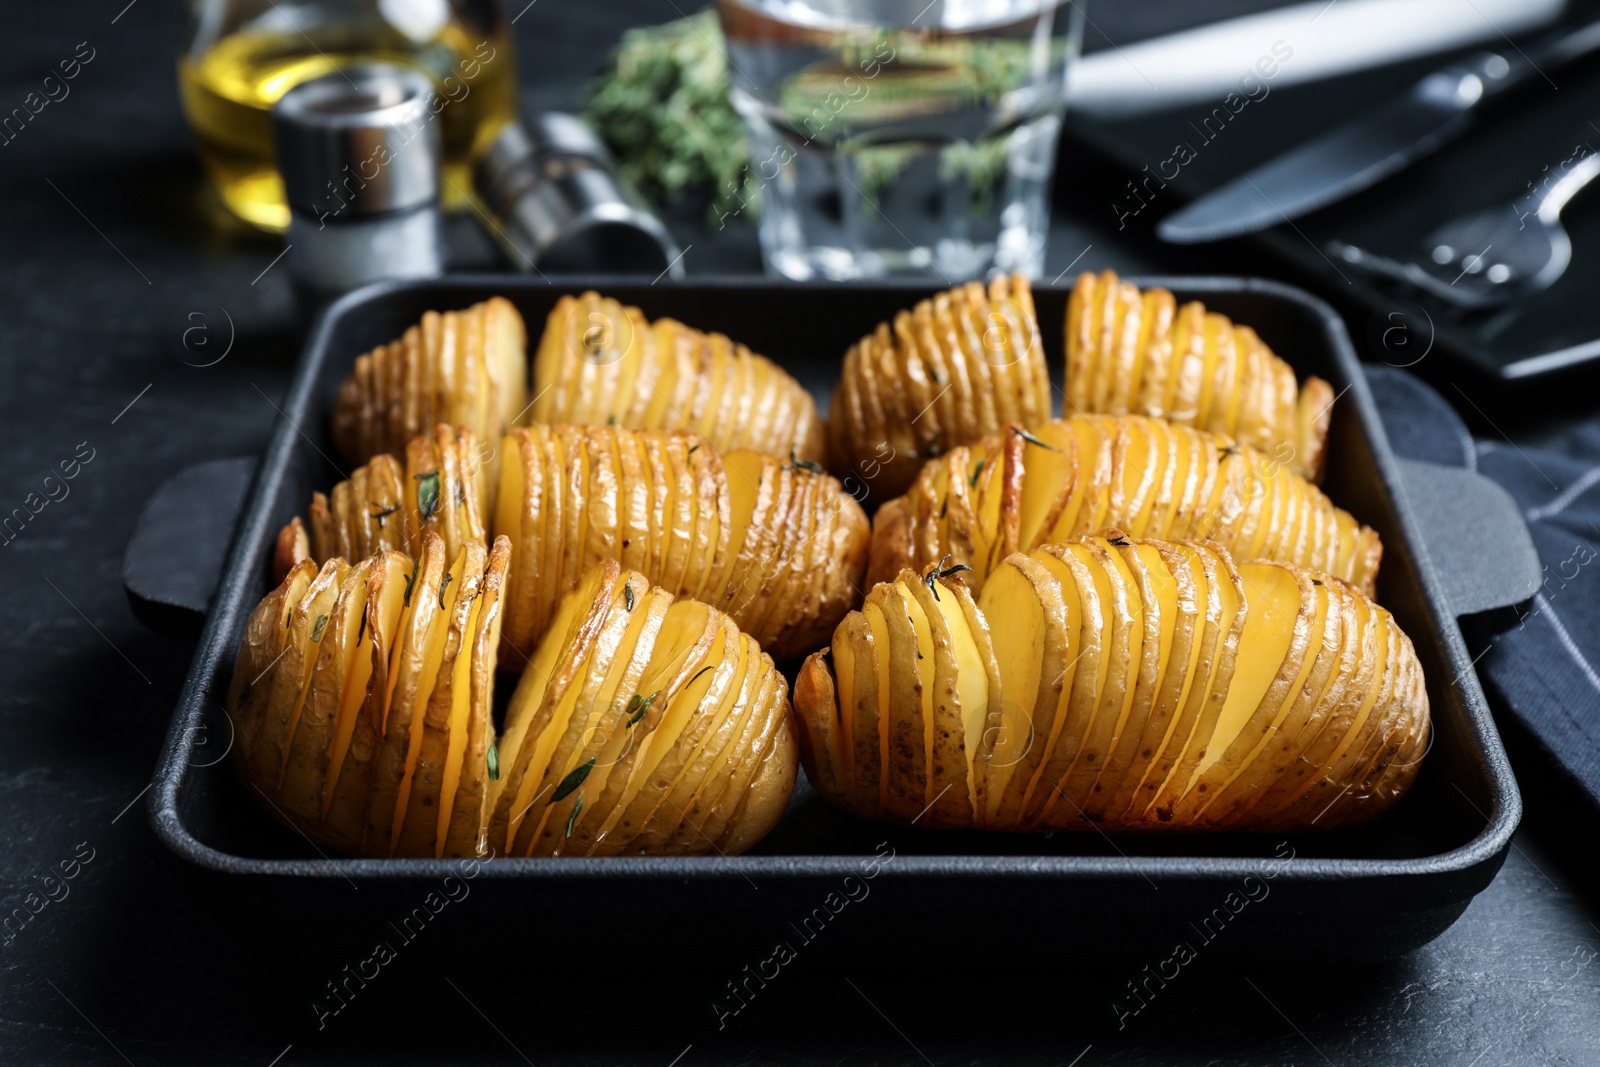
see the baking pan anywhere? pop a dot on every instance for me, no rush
(1334, 898)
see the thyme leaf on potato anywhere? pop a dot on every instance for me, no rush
(316, 630)
(444, 583)
(494, 763)
(1031, 439)
(573, 818)
(627, 593)
(572, 781)
(931, 577)
(638, 705)
(795, 463)
(427, 495)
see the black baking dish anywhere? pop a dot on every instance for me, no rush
(1335, 898)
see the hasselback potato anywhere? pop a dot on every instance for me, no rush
(362, 705)
(468, 369)
(362, 700)
(1116, 683)
(954, 368)
(778, 546)
(1132, 352)
(602, 363)
(643, 725)
(1017, 490)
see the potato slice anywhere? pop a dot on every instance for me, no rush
(1036, 645)
(1137, 729)
(1194, 567)
(948, 793)
(467, 777)
(444, 716)
(291, 679)
(1165, 577)
(1075, 567)
(305, 772)
(599, 720)
(531, 724)
(359, 727)
(265, 642)
(1123, 637)
(413, 672)
(1304, 714)
(1280, 625)
(687, 637)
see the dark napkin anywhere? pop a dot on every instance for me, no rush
(1543, 669)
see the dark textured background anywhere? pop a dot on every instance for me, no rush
(108, 249)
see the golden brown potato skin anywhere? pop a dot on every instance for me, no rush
(362, 700)
(954, 368)
(443, 486)
(1139, 353)
(362, 706)
(467, 368)
(1015, 491)
(778, 546)
(658, 728)
(602, 363)
(1116, 684)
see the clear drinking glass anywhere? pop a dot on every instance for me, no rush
(901, 136)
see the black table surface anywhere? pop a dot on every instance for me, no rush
(111, 252)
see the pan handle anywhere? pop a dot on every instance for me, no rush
(174, 559)
(1476, 536)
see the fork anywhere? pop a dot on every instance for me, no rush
(1488, 258)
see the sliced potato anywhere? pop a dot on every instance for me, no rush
(1195, 694)
(778, 546)
(1086, 473)
(641, 723)
(443, 487)
(1133, 354)
(466, 369)
(602, 363)
(953, 369)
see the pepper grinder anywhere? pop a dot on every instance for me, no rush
(359, 153)
(561, 207)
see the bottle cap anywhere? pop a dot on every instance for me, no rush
(361, 141)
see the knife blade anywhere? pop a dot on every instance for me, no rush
(1368, 149)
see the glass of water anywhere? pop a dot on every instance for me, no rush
(901, 137)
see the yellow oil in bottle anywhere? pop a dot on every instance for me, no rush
(228, 93)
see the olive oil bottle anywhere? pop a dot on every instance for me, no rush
(244, 54)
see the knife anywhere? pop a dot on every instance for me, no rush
(1366, 150)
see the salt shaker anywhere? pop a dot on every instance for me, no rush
(359, 153)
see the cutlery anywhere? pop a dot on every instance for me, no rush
(1488, 258)
(1352, 157)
